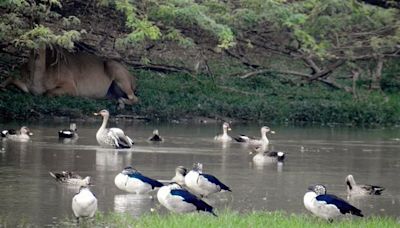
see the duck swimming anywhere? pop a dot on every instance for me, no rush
(67, 177)
(111, 137)
(263, 141)
(224, 137)
(68, 133)
(156, 137)
(21, 136)
(354, 189)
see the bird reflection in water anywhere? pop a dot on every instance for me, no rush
(134, 204)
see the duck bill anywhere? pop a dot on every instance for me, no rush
(272, 132)
(96, 113)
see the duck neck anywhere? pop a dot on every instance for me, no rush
(224, 131)
(350, 182)
(104, 124)
(264, 136)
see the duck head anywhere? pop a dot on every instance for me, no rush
(128, 170)
(103, 113)
(26, 131)
(281, 156)
(181, 170)
(226, 126)
(319, 189)
(198, 167)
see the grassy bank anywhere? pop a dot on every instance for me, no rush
(265, 98)
(226, 219)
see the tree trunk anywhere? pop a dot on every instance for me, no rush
(377, 75)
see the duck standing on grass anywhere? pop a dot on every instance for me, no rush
(327, 206)
(203, 184)
(132, 181)
(224, 137)
(84, 203)
(354, 189)
(21, 136)
(111, 137)
(179, 200)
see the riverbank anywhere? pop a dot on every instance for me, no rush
(225, 219)
(177, 97)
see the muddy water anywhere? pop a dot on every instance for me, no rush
(314, 155)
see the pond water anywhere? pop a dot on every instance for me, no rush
(314, 155)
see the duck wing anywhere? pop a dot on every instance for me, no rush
(119, 138)
(342, 205)
(373, 189)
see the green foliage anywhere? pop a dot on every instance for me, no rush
(224, 219)
(31, 32)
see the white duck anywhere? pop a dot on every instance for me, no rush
(263, 157)
(67, 177)
(132, 181)
(84, 203)
(224, 137)
(179, 200)
(327, 206)
(111, 137)
(180, 173)
(262, 142)
(21, 136)
(203, 184)
(354, 189)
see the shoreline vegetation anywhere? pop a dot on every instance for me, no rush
(224, 219)
(179, 97)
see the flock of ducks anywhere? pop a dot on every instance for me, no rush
(186, 190)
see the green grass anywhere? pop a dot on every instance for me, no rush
(224, 219)
(266, 98)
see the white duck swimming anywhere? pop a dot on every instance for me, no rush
(21, 136)
(67, 177)
(224, 137)
(354, 189)
(111, 137)
(84, 203)
(263, 141)
(263, 157)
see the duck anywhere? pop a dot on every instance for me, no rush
(6, 132)
(224, 137)
(156, 137)
(354, 189)
(68, 177)
(84, 203)
(22, 136)
(111, 137)
(132, 181)
(327, 206)
(263, 141)
(269, 157)
(68, 133)
(180, 173)
(179, 200)
(203, 184)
